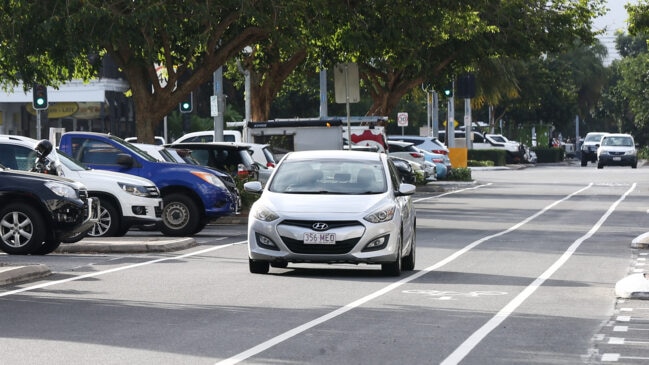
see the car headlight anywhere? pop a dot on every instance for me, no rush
(263, 214)
(382, 215)
(137, 190)
(210, 178)
(61, 189)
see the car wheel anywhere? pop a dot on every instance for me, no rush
(123, 229)
(584, 162)
(22, 229)
(408, 262)
(47, 247)
(76, 238)
(258, 267)
(109, 221)
(394, 268)
(180, 216)
(600, 166)
(634, 165)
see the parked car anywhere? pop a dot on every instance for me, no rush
(39, 211)
(159, 141)
(231, 157)
(617, 149)
(589, 147)
(124, 199)
(208, 136)
(261, 153)
(405, 150)
(166, 154)
(333, 207)
(406, 172)
(432, 144)
(442, 162)
(192, 195)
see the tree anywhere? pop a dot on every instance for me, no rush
(191, 39)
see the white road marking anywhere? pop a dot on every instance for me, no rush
(104, 272)
(331, 315)
(473, 340)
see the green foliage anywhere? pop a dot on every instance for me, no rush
(643, 153)
(497, 156)
(475, 163)
(549, 154)
(459, 174)
(247, 198)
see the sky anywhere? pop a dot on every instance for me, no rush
(614, 19)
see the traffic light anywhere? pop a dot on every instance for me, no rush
(448, 90)
(186, 106)
(39, 100)
(466, 86)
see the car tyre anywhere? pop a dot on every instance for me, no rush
(394, 268)
(22, 229)
(109, 221)
(75, 238)
(258, 267)
(408, 261)
(634, 165)
(180, 216)
(600, 165)
(47, 247)
(584, 162)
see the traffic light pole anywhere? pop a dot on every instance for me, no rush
(38, 124)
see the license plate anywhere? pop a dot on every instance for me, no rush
(316, 238)
(617, 158)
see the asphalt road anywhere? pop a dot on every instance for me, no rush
(517, 268)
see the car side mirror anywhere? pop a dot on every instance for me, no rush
(125, 160)
(406, 189)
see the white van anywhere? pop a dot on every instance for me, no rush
(208, 136)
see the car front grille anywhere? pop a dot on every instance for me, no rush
(341, 247)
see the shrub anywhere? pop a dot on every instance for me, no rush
(497, 156)
(459, 174)
(549, 154)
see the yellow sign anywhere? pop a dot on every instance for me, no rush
(455, 123)
(58, 110)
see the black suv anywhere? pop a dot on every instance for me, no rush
(38, 212)
(230, 157)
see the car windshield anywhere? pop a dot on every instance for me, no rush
(329, 177)
(617, 141)
(593, 137)
(70, 162)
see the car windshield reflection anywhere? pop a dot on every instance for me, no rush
(329, 177)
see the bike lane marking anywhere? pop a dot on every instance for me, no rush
(472, 341)
(357, 303)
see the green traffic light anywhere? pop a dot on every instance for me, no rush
(185, 105)
(40, 101)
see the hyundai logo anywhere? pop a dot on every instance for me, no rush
(320, 226)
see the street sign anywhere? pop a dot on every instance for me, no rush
(346, 83)
(402, 119)
(214, 106)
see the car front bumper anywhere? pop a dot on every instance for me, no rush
(283, 241)
(624, 160)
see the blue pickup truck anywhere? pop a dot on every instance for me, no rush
(192, 195)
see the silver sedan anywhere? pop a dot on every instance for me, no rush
(333, 207)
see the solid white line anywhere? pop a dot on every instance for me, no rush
(121, 268)
(473, 340)
(297, 330)
(450, 192)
